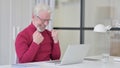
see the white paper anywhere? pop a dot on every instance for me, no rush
(25, 66)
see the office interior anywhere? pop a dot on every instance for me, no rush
(68, 17)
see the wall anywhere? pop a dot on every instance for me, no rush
(97, 12)
(14, 16)
(4, 31)
(67, 14)
(115, 4)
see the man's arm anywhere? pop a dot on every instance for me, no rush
(56, 48)
(24, 52)
(56, 52)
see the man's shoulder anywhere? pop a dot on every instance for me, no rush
(25, 31)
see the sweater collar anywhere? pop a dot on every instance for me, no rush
(33, 28)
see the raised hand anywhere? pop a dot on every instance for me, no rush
(37, 37)
(54, 36)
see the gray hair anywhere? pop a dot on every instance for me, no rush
(41, 7)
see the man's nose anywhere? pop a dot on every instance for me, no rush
(46, 22)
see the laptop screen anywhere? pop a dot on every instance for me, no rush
(75, 53)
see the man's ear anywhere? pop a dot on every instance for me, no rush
(33, 16)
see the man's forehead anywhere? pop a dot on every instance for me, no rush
(44, 14)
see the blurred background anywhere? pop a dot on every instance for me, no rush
(74, 20)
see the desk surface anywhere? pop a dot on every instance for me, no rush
(84, 64)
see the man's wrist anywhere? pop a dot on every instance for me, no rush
(36, 42)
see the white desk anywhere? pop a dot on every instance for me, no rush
(84, 64)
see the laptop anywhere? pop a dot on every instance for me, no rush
(73, 54)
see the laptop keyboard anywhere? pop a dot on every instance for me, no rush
(54, 61)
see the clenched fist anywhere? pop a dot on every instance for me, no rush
(37, 37)
(54, 36)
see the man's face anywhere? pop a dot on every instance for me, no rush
(42, 20)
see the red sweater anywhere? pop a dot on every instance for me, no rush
(28, 51)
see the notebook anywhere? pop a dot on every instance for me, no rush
(73, 54)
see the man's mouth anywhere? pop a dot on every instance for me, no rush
(41, 28)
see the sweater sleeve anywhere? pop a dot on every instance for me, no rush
(56, 52)
(25, 52)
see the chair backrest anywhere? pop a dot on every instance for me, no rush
(13, 56)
